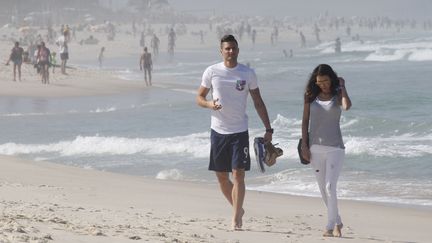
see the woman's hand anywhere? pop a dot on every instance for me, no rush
(306, 153)
(341, 81)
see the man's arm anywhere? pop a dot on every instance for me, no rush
(203, 102)
(262, 112)
(141, 62)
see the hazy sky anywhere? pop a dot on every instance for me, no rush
(392, 8)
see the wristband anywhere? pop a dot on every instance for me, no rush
(270, 130)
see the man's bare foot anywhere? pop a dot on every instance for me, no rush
(337, 232)
(238, 223)
(328, 233)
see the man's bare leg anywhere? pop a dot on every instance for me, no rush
(19, 72)
(226, 185)
(234, 193)
(145, 77)
(149, 74)
(238, 195)
(14, 71)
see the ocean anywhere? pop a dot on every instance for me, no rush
(161, 133)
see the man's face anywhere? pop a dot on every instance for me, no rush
(229, 51)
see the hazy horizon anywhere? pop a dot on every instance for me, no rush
(307, 8)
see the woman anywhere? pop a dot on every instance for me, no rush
(324, 96)
(43, 58)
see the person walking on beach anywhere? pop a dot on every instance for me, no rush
(142, 39)
(253, 38)
(16, 57)
(154, 44)
(53, 61)
(230, 83)
(62, 42)
(44, 62)
(146, 64)
(338, 46)
(171, 43)
(101, 56)
(303, 40)
(322, 142)
(35, 59)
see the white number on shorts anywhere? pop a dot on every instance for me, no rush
(246, 151)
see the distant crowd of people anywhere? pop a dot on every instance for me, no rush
(43, 59)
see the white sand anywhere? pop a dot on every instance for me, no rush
(46, 202)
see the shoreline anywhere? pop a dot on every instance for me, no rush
(69, 204)
(79, 82)
(377, 203)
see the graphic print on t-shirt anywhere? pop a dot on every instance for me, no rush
(240, 84)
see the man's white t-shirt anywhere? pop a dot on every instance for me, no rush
(231, 86)
(62, 43)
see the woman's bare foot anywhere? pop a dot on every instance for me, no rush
(328, 233)
(337, 232)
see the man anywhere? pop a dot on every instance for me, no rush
(171, 42)
(16, 57)
(146, 64)
(62, 42)
(154, 44)
(101, 56)
(230, 83)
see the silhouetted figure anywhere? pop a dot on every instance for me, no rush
(338, 45)
(171, 43)
(16, 57)
(303, 40)
(146, 64)
(316, 32)
(253, 37)
(154, 44)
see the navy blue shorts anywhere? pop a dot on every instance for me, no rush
(229, 151)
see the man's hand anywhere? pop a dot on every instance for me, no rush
(268, 137)
(215, 106)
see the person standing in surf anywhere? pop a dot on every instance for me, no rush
(322, 142)
(230, 83)
(146, 64)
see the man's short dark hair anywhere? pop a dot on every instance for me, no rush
(228, 38)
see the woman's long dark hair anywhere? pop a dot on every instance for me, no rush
(312, 89)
